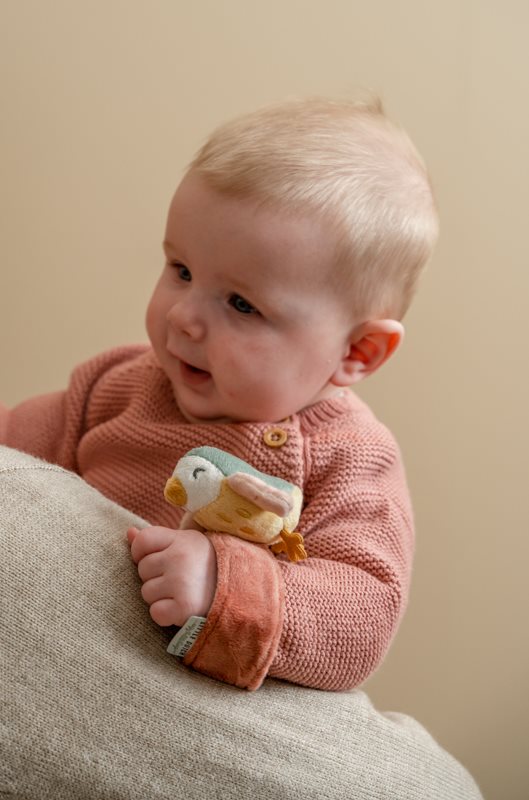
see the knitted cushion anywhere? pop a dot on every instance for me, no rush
(94, 708)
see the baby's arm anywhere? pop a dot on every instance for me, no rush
(324, 623)
(50, 426)
(343, 609)
(35, 426)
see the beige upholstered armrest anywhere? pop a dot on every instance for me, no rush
(93, 707)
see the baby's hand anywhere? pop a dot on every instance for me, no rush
(178, 570)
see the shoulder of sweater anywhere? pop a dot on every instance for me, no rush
(132, 355)
(116, 369)
(118, 379)
(344, 412)
(343, 430)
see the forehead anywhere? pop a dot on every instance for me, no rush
(203, 222)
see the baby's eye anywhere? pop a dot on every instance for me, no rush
(241, 305)
(182, 271)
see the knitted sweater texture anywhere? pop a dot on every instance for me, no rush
(326, 622)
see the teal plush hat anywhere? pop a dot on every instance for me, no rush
(229, 464)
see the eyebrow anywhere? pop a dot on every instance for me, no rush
(170, 251)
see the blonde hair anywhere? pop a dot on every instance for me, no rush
(346, 162)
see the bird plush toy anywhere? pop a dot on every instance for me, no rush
(223, 493)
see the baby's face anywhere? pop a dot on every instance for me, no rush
(243, 319)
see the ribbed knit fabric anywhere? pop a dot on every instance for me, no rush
(326, 622)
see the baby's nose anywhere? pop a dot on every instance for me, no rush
(186, 318)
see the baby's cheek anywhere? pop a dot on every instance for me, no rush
(150, 317)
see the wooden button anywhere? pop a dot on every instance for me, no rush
(275, 437)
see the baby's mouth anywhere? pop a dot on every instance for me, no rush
(194, 374)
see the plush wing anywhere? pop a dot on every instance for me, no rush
(262, 494)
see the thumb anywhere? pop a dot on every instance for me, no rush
(132, 532)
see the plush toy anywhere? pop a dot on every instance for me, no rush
(223, 493)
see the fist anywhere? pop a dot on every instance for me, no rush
(178, 569)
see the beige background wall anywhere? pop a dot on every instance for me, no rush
(104, 102)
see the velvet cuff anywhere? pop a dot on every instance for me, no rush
(241, 635)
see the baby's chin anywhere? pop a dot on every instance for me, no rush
(219, 419)
(202, 419)
(206, 420)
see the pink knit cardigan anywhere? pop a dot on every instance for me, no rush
(326, 622)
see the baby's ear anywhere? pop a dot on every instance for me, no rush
(370, 345)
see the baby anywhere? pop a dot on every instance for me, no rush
(292, 250)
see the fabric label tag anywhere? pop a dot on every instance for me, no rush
(186, 636)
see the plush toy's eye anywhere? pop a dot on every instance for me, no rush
(197, 470)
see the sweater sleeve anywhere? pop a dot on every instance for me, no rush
(50, 426)
(326, 622)
(35, 426)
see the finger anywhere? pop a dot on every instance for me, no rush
(151, 566)
(151, 540)
(131, 534)
(156, 589)
(165, 612)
